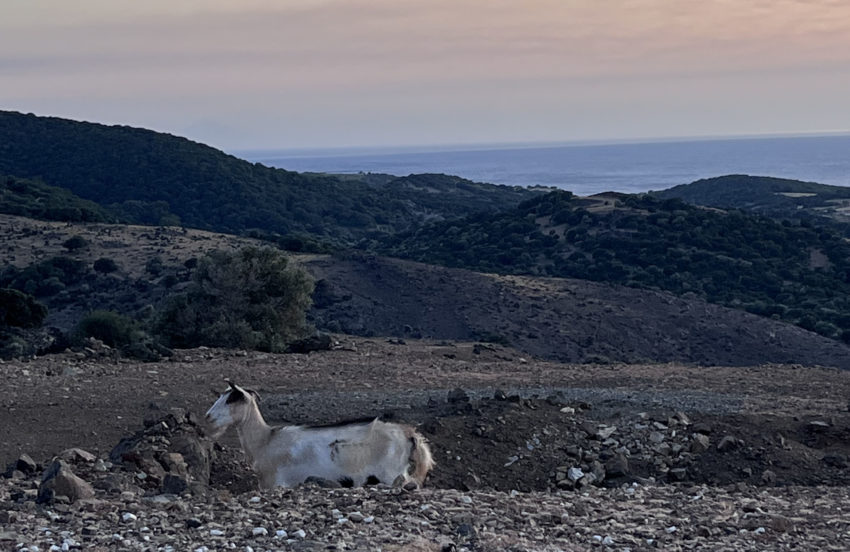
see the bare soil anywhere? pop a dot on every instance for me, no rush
(516, 426)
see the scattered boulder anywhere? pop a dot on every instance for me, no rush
(59, 480)
(77, 455)
(24, 465)
(172, 445)
(700, 443)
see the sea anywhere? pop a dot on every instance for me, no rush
(586, 169)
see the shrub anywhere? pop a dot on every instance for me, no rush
(110, 327)
(105, 266)
(21, 310)
(75, 242)
(251, 299)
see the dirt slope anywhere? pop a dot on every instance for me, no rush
(560, 319)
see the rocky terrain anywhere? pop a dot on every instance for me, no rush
(531, 454)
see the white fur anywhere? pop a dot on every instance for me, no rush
(285, 456)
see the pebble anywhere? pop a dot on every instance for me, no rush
(259, 532)
(129, 516)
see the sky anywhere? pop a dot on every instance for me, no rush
(263, 74)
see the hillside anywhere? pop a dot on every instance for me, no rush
(773, 197)
(793, 272)
(148, 177)
(30, 198)
(361, 294)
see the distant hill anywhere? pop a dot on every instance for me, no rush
(773, 197)
(790, 271)
(154, 178)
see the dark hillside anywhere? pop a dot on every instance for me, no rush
(773, 197)
(154, 178)
(30, 198)
(793, 272)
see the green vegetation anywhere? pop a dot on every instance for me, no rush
(105, 265)
(774, 197)
(792, 271)
(45, 278)
(153, 178)
(75, 242)
(116, 330)
(251, 299)
(34, 199)
(20, 310)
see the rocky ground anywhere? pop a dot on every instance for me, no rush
(531, 455)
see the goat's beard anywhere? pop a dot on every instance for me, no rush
(215, 432)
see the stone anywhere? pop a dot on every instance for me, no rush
(836, 461)
(59, 478)
(656, 437)
(700, 443)
(457, 395)
(727, 443)
(174, 484)
(77, 455)
(605, 432)
(677, 474)
(617, 465)
(25, 465)
(574, 474)
(768, 477)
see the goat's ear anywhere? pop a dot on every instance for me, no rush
(255, 394)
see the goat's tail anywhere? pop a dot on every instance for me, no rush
(420, 456)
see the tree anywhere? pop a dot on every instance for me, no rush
(21, 310)
(252, 298)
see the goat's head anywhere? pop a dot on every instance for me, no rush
(232, 407)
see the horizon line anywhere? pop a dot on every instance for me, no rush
(352, 150)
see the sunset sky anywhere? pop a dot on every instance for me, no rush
(324, 73)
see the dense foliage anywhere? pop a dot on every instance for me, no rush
(795, 272)
(780, 198)
(45, 278)
(155, 178)
(30, 198)
(20, 310)
(251, 299)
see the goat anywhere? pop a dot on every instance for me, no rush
(353, 453)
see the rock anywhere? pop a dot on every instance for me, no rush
(457, 395)
(677, 474)
(322, 482)
(836, 460)
(727, 443)
(574, 474)
(77, 455)
(23, 464)
(500, 395)
(62, 481)
(356, 517)
(700, 443)
(598, 470)
(174, 484)
(605, 432)
(656, 437)
(617, 465)
(768, 477)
